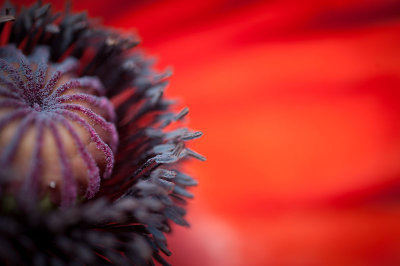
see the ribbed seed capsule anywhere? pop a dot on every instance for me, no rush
(56, 131)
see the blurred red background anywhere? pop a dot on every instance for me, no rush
(299, 102)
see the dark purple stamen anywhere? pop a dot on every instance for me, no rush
(40, 55)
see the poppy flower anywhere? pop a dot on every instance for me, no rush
(299, 102)
(91, 150)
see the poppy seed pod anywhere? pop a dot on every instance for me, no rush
(49, 122)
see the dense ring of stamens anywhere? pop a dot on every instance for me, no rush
(45, 98)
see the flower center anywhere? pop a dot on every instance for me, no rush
(56, 131)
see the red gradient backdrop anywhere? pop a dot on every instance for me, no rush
(300, 105)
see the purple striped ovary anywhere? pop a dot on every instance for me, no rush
(56, 130)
